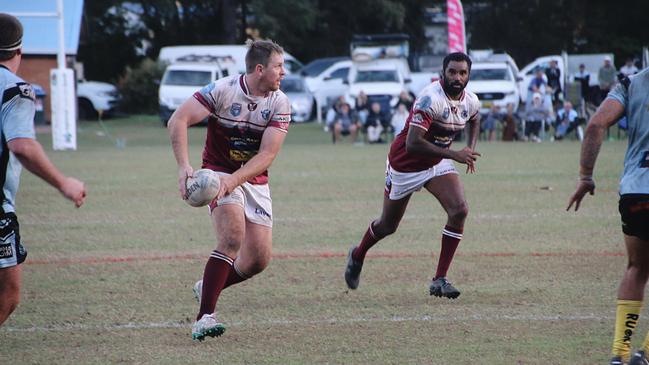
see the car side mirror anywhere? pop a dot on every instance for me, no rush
(519, 78)
(327, 78)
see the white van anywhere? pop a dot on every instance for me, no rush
(182, 79)
(237, 52)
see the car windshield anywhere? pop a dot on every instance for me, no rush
(377, 76)
(187, 78)
(316, 67)
(489, 74)
(292, 86)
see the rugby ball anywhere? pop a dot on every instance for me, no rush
(202, 187)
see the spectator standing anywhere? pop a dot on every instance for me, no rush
(606, 77)
(583, 78)
(554, 81)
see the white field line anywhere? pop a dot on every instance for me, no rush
(293, 322)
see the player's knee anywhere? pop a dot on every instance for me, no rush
(459, 212)
(639, 269)
(382, 229)
(257, 266)
(8, 304)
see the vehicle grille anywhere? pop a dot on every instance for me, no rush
(490, 96)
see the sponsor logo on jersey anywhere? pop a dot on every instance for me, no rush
(207, 89)
(465, 114)
(252, 106)
(6, 251)
(235, 109)
(26, 91)
(281, 118)
(423, 103)
(261, 211)
(446, 113)
(265, 114)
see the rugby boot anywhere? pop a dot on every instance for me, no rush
(207, 326)
(616, 360)
(441, 287)
(639, 358)
(353, 270)
(198, 290)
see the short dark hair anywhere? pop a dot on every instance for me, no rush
(259, 53)
(11, 36)
(457, 57)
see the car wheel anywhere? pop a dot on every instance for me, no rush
(86, 110)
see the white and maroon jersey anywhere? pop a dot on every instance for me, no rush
(237, 122)
(442, 119)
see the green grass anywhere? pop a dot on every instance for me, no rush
(111, 282)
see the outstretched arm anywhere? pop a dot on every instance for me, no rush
(31, 155)
(608, 113)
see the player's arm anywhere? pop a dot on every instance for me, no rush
(474, 131)
(416, 143)
(189, 113)
(608, 113)
(271, 144)
(31, 155)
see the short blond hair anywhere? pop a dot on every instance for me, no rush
(259, 52)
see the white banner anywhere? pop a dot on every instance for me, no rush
(64, 112)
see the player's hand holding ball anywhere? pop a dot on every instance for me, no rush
(202, 187)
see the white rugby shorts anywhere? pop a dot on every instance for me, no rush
(253, 198)
(398, 185)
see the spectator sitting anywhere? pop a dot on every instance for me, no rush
(345, 124)
(567, 120)
(535, 115)
(332, 112)
(489, 124)
(406, 99)
(362, 106)
(399, 118)
(375, 123)
(537, 85)
(511, 121)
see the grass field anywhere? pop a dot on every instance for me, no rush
(111, 282)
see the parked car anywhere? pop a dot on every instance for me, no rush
(95, 96)
(325, 78)
(237, 52)
(181, 80)
(302, 101)
(495, 84)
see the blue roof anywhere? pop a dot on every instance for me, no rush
(41, 33)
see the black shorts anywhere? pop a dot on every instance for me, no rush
(634, 209)
(12, 253)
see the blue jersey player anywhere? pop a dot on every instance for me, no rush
(19, 148)
(629, 98)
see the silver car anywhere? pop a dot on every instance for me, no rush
(302, 101)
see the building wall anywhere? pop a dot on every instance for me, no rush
(36, 70)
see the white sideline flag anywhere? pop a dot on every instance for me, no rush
(64, 112)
